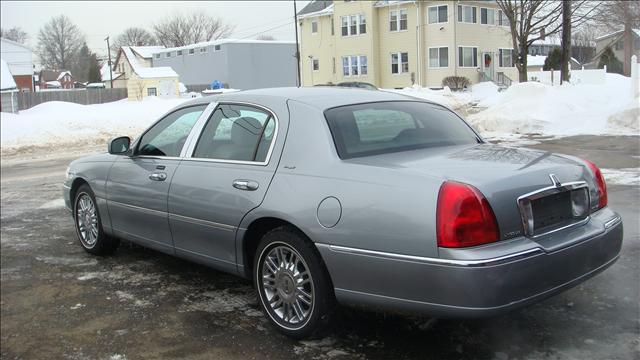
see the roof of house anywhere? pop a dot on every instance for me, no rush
(105, 74)
(224, 41)
(15, 43)
(146, 72)
(63, 73)
(6, 79)
(55, 83)
(146, 52)
(619, 32)
(315, 6)
(52, 75)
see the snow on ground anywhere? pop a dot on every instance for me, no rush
(565, 110)
(625, 176)
(535, 108)
(62, 124)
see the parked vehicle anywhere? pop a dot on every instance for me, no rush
(358, 84)
(364, 197)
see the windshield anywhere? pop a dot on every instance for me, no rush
(385, 127)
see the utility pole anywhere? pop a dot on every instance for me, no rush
(110, 70)
(566, 41)
(295, 26)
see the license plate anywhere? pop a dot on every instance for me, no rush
(554, 208)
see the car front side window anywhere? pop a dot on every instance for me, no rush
(167, 137)
(237, 133)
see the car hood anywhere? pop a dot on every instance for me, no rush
(104, 157)
(501, 173)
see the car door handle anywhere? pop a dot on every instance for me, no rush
(249, 185)
(158, 176)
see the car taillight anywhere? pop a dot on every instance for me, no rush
(464, 217)
(600, 184)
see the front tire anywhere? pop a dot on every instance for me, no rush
(293, 286)
(88, 225)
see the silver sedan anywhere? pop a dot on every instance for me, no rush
(323, 196)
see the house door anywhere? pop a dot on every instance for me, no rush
(487, 64)
(167, 88)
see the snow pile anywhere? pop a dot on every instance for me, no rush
(58, 123)
(485, 93)
(445, 96)
(565, 110)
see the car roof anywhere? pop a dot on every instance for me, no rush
(319, 97)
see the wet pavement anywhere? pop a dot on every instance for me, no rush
(58, 302)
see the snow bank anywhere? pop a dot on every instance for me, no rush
(61, 123)
(445, 96)
(565, 110)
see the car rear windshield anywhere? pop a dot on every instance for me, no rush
(386, 127)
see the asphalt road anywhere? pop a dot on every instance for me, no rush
(58, 302)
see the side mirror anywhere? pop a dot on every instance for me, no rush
(119, 145)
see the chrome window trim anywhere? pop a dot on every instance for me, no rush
(197, 128)
(192, 145)
(609, 224)
(438, 261)
(548, 191)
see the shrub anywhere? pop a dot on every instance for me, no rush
(609, 59)
(553, 60)
(455, 82)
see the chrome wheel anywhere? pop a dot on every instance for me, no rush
(287, 286)
(87, 220)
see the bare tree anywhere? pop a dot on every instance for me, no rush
(534, 20)
(565, 43)
(623, 15)
(59, 43)
(15, 34)
(180, 30)
(584, 41)
(265, 37)
(133, 36)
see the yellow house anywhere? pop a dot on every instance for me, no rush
(132, 70)
(394, 44)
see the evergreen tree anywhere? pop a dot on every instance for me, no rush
(609, 59)
(553, 60)
(81, 68)
(94, 69)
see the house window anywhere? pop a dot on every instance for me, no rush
(506, 58)
(363, 65)
(315, 64)
(203, 50)
(467, 14)
(179, 53)
(438, 14)
(157, 56)
(216, 47)
(168, 54)
(439, 57)
(354, 65)
(619, 45)
(399, 63)
(398, 20)
(151, 92)
(467, 56)
(353, 25)
(192, 51)
(332, 25)
(345, 25)
(314, 27)
(487, 16)
(503, 20)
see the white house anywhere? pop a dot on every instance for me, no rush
(19, 58)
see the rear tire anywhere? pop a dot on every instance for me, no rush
(293, 286)
(88, 225)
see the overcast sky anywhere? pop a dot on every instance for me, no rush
(97, 19)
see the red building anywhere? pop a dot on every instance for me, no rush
(50, 79)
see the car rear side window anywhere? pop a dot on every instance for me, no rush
(238, 133)
(385, 127)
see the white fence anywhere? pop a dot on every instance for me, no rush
(585, 76)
